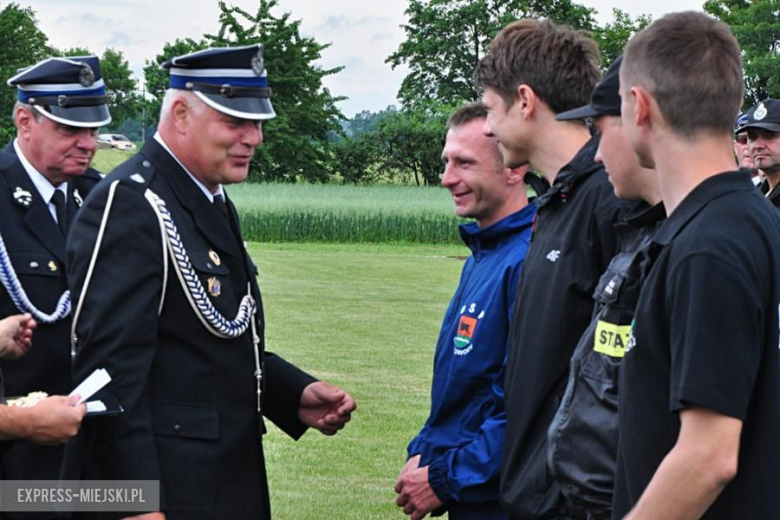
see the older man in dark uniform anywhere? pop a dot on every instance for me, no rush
(44, 177)
(166, 300)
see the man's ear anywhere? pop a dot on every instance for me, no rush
(516, 175)
(643, 103)
(24, 121)
(180, 114)
(526, 99)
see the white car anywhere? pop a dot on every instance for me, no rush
(117, 141)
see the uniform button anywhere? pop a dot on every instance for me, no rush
(208, 264)
(146, 164)
(34, 265)
(177, 428)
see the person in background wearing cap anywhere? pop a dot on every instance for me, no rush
(700, 381)
(455, 460)
(44, 177)
(741, 143)
(762, 127)
(583, 435)
(535, 70)
(176, 318)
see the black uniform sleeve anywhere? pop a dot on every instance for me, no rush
(715, 328)
(117, 326)
(284, 385)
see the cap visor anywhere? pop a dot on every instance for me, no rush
(772, 127)
(577, 113)
(84, 117)
(240, 107)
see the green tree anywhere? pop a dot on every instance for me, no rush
(756, 24)
(22, 44)
(124, 100)
(411, 141)
(614, 35)
(445, 39)
(356, 158)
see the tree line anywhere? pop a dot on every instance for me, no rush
(311, 140)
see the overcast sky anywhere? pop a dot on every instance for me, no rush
(363, 33)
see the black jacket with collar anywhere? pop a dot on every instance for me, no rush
(37, 250)
(572, 244)
(190, 409)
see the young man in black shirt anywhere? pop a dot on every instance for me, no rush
(700, 382)
(535, 70)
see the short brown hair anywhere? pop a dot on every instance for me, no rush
(473, 112)
(692, 65)
(466, 114)
(561, 65)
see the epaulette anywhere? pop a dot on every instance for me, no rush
(136, 174)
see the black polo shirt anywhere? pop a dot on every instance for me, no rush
(572, 244)
(706, 334)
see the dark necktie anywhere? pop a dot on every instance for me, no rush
(58, 199)
(219, 203)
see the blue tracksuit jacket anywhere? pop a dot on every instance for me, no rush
(463, 438)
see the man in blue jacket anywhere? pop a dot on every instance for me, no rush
(455, 460)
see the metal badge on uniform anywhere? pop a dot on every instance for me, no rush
(215, 257)
(22, 197)
(215, 287)
(138, 178)
(77, 198)
(760, 112)
(52, 266)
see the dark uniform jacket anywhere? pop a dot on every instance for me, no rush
(572, 244)
(583, 436)
(190, 407)
(37, 250)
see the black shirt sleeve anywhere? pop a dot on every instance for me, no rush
(715, 336)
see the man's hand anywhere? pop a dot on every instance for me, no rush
(415, 494)
(54, 420)
(16, 335)
(325, 407)
(411, 464)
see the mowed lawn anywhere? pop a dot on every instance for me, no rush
(366, 318)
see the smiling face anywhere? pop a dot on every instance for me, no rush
(217, 148)
(506, 124)
(60, 152)
(474, 174)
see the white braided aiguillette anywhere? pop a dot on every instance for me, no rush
(208, 315)
(15, 290)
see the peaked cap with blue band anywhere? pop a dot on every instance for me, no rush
(67, 90)
(739, 124)
(231, 80)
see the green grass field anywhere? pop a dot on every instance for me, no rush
(366, 318)
(334, 213)
(106, 159)
(345, 213)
